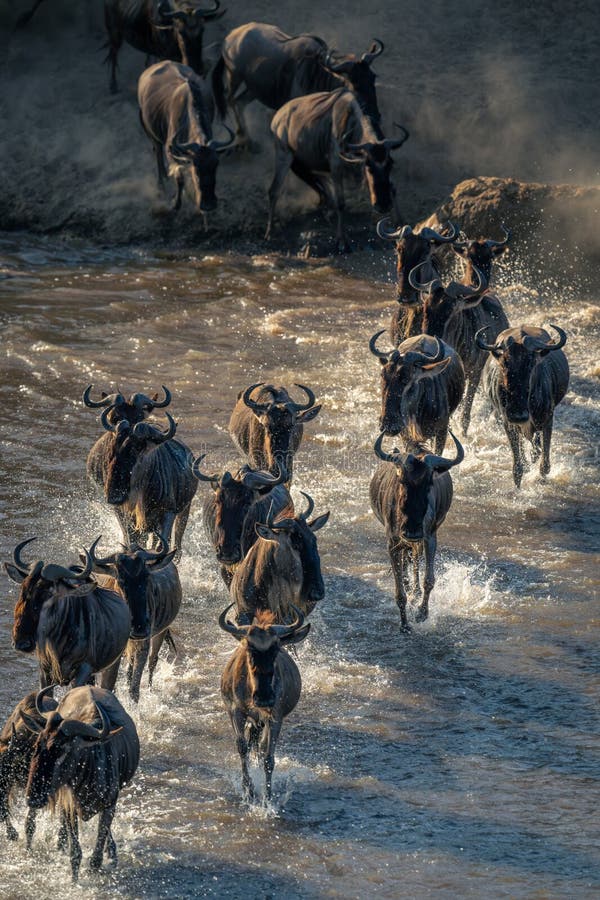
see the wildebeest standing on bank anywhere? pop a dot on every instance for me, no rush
(411, 494)
(316, 136)
(526, 376)
(149, 583)
(260, 686)
(16, 749)
(87, 750)
(456, 313)
(237, 503)
(145, 476)
(76, 627)
(281, 572)
(267, 425)
(176, 112)
(422, 383)
(274, 68)
(157, 29)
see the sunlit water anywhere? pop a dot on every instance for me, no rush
(460, 761)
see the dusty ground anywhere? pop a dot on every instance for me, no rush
(508, 90)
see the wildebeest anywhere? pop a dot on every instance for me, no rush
(412, 248)
(16, 749)
(455, 313)
(267, 425)
(274, 68)
(282, 569)
(237, 503)
(480, 255)
(316, 136)
(85, 752)
(176, 114)
(157, 29)
(422, 383)
(411, 494)
(134, 410)
(76, 627)
(145, 476)
(525, 377)
(260, 685)
(149, 583)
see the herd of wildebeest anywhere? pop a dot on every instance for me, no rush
(81, 620)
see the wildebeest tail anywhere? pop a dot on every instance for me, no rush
(218, 87)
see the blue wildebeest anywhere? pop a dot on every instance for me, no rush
(16, 749)
(86, 751)
(267, 425)
(260, 686)
(480, 255)
(237, 503)
(149, 583)
(316, 136)
(134, 410)
(281, 572)
(525, 377)
(422, 383)
(145, 476)
(411, 494)
(456, 313)
(176, 113)
(157, 28)
(76, 627)
(274, 68)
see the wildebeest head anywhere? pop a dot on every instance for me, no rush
(414, 249)
(130, 444)
(132, 569)
(133, 410)
(375, 157)
(279, 416)
(203, 158)
(56, 752)
(187, 22)
(360, 78)
(401, 372)
(39, 582)
(415, 468)
(518, 351)
(261, 642)
(481, 254)
(234, 495)
(441, 304)
(299, 535)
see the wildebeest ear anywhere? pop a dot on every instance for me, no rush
(13, 573)
(436, 367)
(297, 635)
(265, 532)
(319, 521)
(309, 414)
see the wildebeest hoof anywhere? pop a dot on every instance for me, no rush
(421, 614)
(95, 862)
(405, 629)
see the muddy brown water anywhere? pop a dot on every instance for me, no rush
(461, 761)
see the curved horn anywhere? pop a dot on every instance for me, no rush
(398, 233)
(283, 630)
(214, 479)
(426, 288)
(393, 144)
(311, 505)
(236, 631)
(74, 728)
(376, 50)
(353, 160)
(421, 359)
(507, 237)
(254, 479)
(394, 458)
(208, 13)
(104, 418)
(562, 338)
(337, 68)
(219, 146)
(381, 356)
(457, 290)
(258, 409)
(40, 697)
(151, 433)
(100, 560)
(160, 404)
(533, 343)
(23, 568)
(431, 235)
(299, 407)
(30, 723)
(167, 13)
(440, 463)
(481, 343)
(95, 404)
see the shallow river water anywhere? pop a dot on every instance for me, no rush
(459, 761)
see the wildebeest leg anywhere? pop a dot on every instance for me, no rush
(238, 105)
(397, 558)
(311, 180)
(29, 827)
(268, 742)
(283, 161)
(156, 643)
(536, 447)
(83, 674)
(108, 676)
(440, 440)
(160, 163)
(341, 244)
(11, 832)
(46, 680)
(472, 384)
(106, 817)
(516, 445)
(63, 839)
(416, 579)
(546, 438)
(429, 546)
(180, 524)
(227, 576)
(73, 831)
(179, 179)
(141, 656)
(115, 40)
(165, 530)
(238, 720)
(110, 847)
